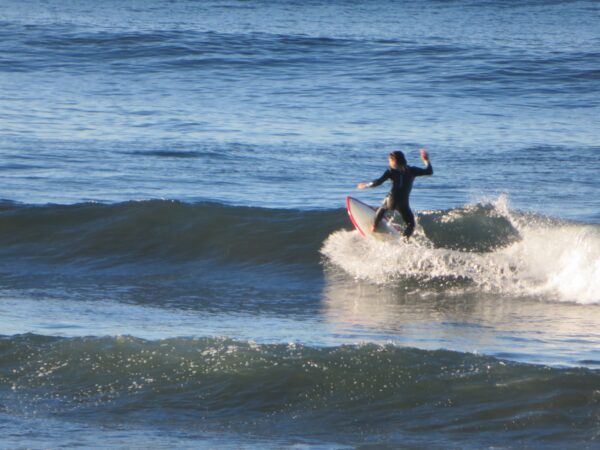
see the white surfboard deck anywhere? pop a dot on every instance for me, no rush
(362, 216)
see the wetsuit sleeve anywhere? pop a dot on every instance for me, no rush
(419, 172)
(380, 180)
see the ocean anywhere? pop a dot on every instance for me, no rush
(177, 267)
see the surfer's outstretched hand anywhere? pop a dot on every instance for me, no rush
(362, 185)
(424, 155)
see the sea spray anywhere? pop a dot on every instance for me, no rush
(493, 248)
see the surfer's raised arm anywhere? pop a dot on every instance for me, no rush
(428, 170)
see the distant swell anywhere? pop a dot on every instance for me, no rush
(216, 383)
(466, 68)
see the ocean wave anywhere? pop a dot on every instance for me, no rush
(450, 68)
(138, 231)
(56, 48)
(486, 247)
(217, 382)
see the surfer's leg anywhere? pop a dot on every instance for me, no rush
(378, 216)
(409, 218)
(385, 205)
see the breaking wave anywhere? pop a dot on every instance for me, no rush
(485, 246)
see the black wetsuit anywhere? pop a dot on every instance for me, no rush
(402, 181)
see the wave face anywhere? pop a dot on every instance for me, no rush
(133, 232)
(213, 384)
(485, 247)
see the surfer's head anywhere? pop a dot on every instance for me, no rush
(396, 159)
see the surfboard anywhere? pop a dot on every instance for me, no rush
(362, 216)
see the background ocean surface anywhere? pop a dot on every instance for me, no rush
(177, 268)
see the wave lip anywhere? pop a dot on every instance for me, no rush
(216, 383)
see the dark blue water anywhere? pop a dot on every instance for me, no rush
(176, 265)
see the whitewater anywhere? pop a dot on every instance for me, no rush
(488, 246)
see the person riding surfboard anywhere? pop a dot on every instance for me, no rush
(402, 176)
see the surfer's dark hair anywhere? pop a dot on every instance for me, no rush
(399, 157)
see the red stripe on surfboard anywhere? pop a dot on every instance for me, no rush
(348, 198)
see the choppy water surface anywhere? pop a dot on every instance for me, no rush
(177, 268)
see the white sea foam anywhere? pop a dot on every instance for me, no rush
(558, 261)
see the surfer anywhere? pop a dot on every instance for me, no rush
(402, 176)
